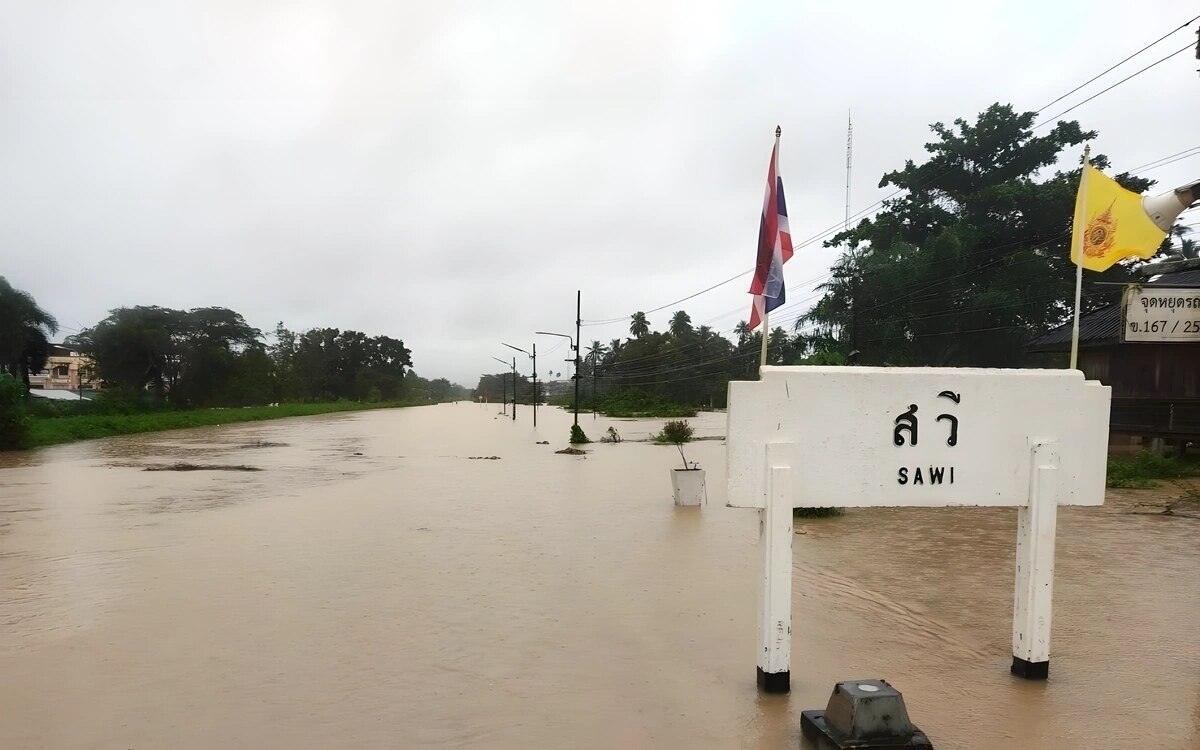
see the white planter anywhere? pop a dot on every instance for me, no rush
(689, 486)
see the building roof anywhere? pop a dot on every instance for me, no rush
(1179, 278)
(1102, 327)
(1098, 328)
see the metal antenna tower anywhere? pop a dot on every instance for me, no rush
(849, 154)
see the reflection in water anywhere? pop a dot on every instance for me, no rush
(373, 586)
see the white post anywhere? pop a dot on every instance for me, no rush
(1036, 523)
(775, 591)
(766, 331)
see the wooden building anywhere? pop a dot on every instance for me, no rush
(1155, 386)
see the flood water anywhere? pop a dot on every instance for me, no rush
(375, 586)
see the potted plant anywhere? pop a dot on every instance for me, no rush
(688, 482)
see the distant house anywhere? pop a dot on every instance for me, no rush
(66, 369)
(1155, 385)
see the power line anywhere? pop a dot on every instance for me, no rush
(1110, 88)
(907, 292)
(910, 293)
(751, 351)
(669, 304)
(1187, 152)
(1114, 67)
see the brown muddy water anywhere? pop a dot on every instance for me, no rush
(372, 586)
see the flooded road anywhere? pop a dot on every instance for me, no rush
(373, 585)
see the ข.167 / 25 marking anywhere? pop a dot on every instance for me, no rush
(1160, 326)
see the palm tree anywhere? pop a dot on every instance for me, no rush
(742, 329)
(25, 331)
(638, 325)
(1187, 249)
(614, 350)
(595, 353)
(681, 324)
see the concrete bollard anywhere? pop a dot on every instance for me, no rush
(864, 715)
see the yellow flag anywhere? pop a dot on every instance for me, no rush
(1113, 222)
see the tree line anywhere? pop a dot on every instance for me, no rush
(210, 356)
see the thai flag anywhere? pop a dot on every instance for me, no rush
(774, 247)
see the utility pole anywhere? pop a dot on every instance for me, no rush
(574, 348)
(514, 376)
(533, 355)
(578, 341)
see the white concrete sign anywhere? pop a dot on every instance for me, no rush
(1156, 314)
(928, 437)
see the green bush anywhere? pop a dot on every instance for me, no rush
(816, 512)
(578, 436)
(14, 416)
(676, 432)
(627, 404)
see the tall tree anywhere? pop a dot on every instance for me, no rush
(742, 331)
(595, 354)
(681, 324)
(972, 259)
(614, 347)
(25, 331)
(638, 325)
(135, 347)
(207, 356)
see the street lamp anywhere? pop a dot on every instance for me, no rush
(533, 356)
(575, 377)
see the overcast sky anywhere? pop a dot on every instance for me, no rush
(450, 173)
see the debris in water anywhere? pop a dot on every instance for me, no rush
(483, 458)
(181, 466)
(572, 451)
(543, 442)
(262, 444)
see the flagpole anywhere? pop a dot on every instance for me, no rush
(1081, 226)
(762, 360)
(766, 329)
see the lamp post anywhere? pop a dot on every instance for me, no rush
(504, 387)
(533, 356)
(575, 359)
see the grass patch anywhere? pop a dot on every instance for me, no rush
(816, 512)
(629, 404)
(1144, 470)
(54, 430)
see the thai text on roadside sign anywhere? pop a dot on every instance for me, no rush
(1159, 314)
